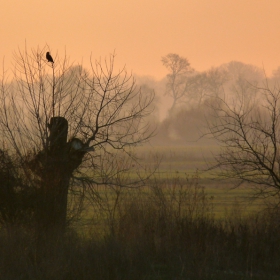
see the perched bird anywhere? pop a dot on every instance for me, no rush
(49, 57)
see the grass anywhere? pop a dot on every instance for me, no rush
(165, 231)
(194, 160)
(179, 226)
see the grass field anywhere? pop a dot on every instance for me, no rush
(194, 161)
(176, 167)
(182, 224)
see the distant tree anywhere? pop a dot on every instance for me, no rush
(205, 85)
(179, 69)
(276, 73)
(275, 77)
(237, 70)
(242, 79)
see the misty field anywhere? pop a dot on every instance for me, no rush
(184, 224)
(191, 161)
(188, 164)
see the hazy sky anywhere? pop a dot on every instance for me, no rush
(207, 32)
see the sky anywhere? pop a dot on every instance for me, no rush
(207, 32)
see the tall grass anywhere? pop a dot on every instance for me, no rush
(165, 230)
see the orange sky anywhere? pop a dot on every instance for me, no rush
(207, 32)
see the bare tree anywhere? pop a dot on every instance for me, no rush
(179, 68)
(248, 131)
(63, 124)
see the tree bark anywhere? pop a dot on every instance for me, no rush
(55, 166)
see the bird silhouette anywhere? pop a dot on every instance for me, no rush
(49, 57)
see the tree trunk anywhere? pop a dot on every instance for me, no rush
(54, 166)
(55, 177)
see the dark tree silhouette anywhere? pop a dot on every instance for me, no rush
(248, 131)
(49, 57)
(67, 130)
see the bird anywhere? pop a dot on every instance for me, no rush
(49, 57)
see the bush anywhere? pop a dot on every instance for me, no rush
(17, 197)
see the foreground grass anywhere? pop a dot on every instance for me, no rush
(176, 227)
(197, 250)
(164, 231)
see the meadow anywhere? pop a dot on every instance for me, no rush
(193, 161)
(183, 224)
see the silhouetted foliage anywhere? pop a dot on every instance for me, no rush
(17, 197)
(61, 126)
(247, 129)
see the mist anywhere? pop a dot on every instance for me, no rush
(187, 123)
